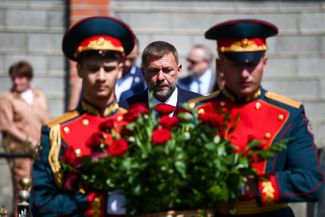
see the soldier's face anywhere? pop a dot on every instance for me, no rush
(161, 76)
(99, 75)
(242, 79)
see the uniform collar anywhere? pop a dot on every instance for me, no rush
(86, 107)
(242, 100)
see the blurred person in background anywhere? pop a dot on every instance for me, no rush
(23, 110)
(201, 78)
(132, 81)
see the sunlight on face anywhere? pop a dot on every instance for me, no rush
(242, 79)
(162, 75)
(99, 76)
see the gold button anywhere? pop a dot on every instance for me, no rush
(201, 111)
(119, 118)
(85, 122)
(258, 105)
(78, 152)
(222, 103)
(66, 129)
(280, 117)
(267, 135)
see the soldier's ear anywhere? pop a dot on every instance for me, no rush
(265, 61)
(120, 70)
(79, 69)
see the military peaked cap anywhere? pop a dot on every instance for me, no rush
(99, 33)
(242, 40)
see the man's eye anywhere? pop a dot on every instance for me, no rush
(152, 71)
(167, 70)
(109, 68)
(92, 68)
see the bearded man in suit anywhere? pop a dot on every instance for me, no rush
(161, 70)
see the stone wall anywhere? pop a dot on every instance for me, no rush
(33, 29)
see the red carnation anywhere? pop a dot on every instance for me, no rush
(108, 124)
(108, 138)
(160, 136)
(168, 122)
(164, 109)
(118, 147)
(95, 140)
(182, 110)
(211, 118)
(69, 156)
(135, 110)
(125, 132)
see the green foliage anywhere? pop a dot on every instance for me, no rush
(196, 168)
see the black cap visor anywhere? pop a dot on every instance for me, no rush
(244, 57)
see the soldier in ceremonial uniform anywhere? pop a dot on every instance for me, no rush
(98, 45)
(292, 175)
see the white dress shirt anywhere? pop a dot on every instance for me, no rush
(202, 84)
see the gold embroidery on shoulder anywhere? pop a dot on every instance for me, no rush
(283, 99)
(110, 109)
(63, 118)
(203, 98)
(122, 110)
(53, 158)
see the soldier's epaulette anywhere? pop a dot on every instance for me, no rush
(122, 110)
(204, 98)
(63, 118)
(283, 99)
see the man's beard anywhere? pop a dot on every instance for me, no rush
(163, 95)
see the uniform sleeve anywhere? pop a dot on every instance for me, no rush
(301, 179)
(49, 200)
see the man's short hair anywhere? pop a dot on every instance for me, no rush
(156, 50)
(206, 54)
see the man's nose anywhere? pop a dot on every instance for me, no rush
(245, 73)
(160, 75)
(101, 73)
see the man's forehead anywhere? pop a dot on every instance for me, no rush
(99, 61)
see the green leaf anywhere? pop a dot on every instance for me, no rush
(181, 168)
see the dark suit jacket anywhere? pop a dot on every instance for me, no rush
(186, 82)
(142, 97)
(138, 84)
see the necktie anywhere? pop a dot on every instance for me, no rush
(164, 109)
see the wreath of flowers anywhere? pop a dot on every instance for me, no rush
(169, 163)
